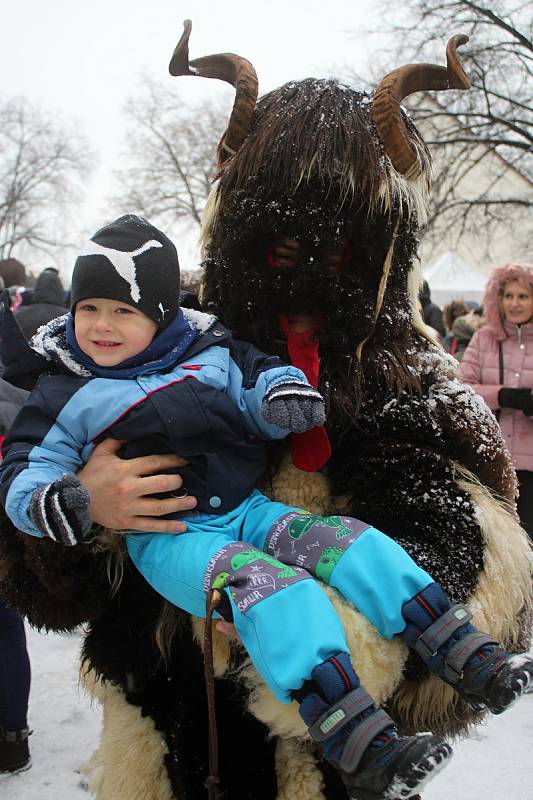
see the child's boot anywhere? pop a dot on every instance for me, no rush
(361, 741)
(481, 672)
(14, 750)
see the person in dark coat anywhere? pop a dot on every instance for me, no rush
(48, 303)
(431, 312)
(15, 670)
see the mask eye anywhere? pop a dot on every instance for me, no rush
(284, 255)
(337, 257)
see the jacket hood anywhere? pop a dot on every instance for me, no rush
(48, 289)
(494, 289)
(51, 341)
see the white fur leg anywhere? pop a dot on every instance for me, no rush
(128, 764)
(298, 776)
(504, 587)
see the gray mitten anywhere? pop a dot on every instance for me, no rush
(295, 406)
(61, 510)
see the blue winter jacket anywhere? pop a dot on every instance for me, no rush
(205, 408)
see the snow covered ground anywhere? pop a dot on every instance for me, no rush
(495, 765)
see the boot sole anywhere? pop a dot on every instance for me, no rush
(15, 770)
(420, 774)
(519, 684)
(414, 777)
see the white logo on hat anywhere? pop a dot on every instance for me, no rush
(123, 261)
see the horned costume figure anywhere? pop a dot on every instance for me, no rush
(310, 245)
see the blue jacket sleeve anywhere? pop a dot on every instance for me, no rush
(251, 375)
(39, 449)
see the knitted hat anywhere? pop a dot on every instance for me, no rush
(131, 261)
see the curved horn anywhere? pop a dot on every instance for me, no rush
(401, 83)
(226, 67)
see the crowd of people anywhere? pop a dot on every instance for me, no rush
(125, 326)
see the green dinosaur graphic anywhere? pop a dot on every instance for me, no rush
(299, 526)
(249, 556)
(220, 581)
(328, 561)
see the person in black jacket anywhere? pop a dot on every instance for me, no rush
(48, 303)
(431, 312)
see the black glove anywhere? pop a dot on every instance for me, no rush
(295, 406)
(61, 510)
(514, 398)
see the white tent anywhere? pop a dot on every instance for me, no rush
(449, 278)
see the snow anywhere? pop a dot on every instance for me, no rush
(493, 764)
(65, 725)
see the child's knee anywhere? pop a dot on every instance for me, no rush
(312, 542)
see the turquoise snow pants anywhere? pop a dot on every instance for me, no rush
(267, 556)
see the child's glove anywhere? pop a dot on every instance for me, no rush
(61, 510)
(295, 406)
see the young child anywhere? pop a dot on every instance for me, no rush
(134, 366)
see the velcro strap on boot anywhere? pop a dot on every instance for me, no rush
(339, 714)
(360, 738)
(440, 631)
(461, 652)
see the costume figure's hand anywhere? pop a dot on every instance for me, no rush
(295, 406)
(118, 489)
(61, 510)
(514, 398)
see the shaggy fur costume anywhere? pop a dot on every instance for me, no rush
(414, 452)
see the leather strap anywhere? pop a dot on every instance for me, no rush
(213, 599)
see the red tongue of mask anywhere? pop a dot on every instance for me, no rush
(309, 450)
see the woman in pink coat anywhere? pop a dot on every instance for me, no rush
(498, 364)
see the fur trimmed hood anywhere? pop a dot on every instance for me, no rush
(493, 292)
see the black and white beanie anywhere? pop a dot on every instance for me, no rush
(131, 261)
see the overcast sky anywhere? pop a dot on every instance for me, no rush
(82, 60)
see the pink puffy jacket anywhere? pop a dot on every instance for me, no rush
(480, 364)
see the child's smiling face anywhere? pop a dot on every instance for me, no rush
(109, 331)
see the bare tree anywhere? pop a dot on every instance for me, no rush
(170, 151)
(482, 139)
(41, 162)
